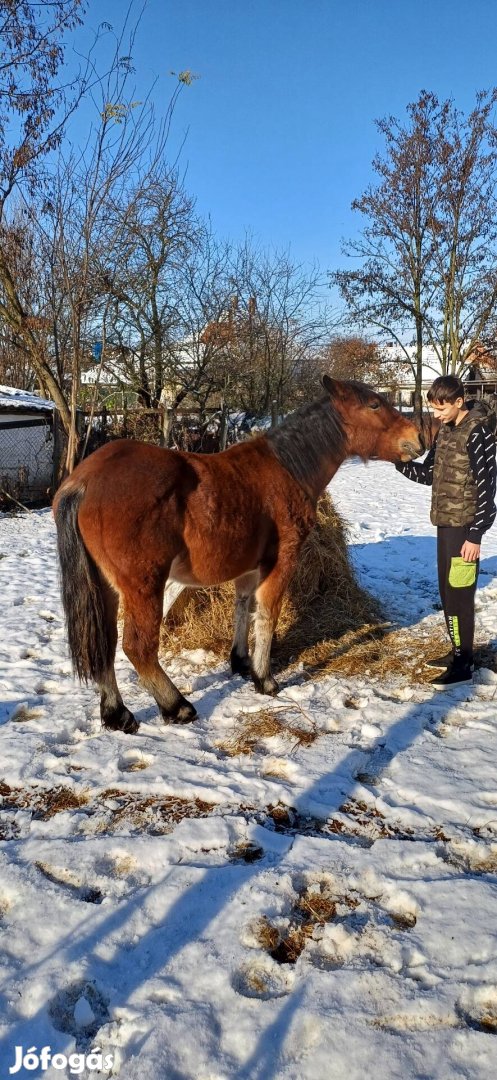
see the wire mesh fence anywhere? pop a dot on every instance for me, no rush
(26, 459)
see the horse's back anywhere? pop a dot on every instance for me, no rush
(212, 517)
(142, 470)
(123, 470)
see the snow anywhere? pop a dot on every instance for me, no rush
(146, 880)
(11, 397)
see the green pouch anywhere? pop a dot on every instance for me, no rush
(462, 574)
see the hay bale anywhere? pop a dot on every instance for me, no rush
(324, 602)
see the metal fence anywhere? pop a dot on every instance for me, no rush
(26, 458)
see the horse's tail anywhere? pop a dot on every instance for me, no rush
(82, 594)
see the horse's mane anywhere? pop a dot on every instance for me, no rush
(306, 435)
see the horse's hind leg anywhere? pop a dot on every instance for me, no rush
(113, 711)
(142, 619)
(239, 656)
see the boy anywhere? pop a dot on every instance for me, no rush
(462, 471)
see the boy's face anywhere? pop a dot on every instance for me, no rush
(446, 412)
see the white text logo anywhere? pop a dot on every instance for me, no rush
(32, 1059)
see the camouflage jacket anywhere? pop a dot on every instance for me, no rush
(461, 468)
(453, 500)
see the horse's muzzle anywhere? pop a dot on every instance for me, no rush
(411, 450)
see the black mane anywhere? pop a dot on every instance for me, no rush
(306, 436)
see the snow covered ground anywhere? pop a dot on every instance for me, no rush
(153, 888)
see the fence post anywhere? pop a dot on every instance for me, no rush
(223, 429)
(57, 451)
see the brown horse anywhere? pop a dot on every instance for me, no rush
(131, 516)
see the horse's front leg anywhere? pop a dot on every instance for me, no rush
(268, 599)
(244, 590)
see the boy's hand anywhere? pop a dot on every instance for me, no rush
(470, 552)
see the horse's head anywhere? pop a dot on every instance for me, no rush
(373, 428)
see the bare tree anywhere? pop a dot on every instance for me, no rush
(75, 196)
(155, 232)
(34, 105)
(427, 254)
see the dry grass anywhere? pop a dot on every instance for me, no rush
(246, 851)
(44, 803)
(379, 652)
(265, 724)
(403, 920)
(24, 712)
(285, 947)
(317, 907)
(310, 909)
(148, 812)
(488, 1021)
(113, 809)
(267, 935)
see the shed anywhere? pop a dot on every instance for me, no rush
(26, 444)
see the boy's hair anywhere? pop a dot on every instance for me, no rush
(446, 389)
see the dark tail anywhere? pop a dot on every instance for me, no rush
(82, 595)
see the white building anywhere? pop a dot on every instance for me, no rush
(400, 379)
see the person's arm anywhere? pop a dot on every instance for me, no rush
(481, 453)
(419, 471)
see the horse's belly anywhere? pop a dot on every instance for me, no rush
(202, 570)
(182, 573)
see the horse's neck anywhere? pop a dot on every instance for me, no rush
(310, 444)
(318, 483)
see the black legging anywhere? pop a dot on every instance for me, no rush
(458, 594)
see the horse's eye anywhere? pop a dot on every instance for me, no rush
(374, 405)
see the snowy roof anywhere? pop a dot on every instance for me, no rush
(12, 398)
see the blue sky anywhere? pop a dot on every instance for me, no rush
(279, 126)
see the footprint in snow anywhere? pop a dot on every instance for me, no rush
(79, 1010)
(470, 856)
(375, 766)
(134, 761)
(478, 1008)
(48, 616)
(263, 978)
(71, 882)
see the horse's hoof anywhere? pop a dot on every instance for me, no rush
(120, 720)
(240, 665)
(268, 685)
(183, 714)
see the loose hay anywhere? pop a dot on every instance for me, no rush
(253, 728)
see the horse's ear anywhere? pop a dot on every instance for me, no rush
(331, 385)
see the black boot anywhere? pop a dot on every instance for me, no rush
(441, 661)
(459, 672)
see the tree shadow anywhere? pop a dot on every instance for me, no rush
(189, 917)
